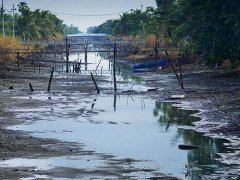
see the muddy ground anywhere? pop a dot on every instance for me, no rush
(215, 93)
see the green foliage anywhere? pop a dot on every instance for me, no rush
(129, 23)
(106, 27)
(72, 30)
(37, 25)
(209, 28)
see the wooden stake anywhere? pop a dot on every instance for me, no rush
(39, 68)
(114, 67)
(30, 86)
(95, 83)
(67, 55)
(86, 58)
(180, 69)
(115, 102)
(73, 66)
(50, 80)
(18, 61)
(174, 69)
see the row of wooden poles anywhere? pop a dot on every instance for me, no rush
(49, 82)
(179, 77)
(93, 79)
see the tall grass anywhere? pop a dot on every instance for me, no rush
(8, 45)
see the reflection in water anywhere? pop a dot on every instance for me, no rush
(115, 102)
(201, 161)
(91, 61)
(170, 114)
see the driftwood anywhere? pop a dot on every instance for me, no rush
(153, 89)
(187, 147)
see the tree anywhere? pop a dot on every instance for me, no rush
(212, 27)
(72, 30)
(25, 26)
(39, 25)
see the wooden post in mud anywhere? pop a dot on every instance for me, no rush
(18, 61)
(174, 69)
(39, 68)
(50, 80)
(67, 55)
(180, 69)
(86, 59)
(95, 83)
(115, 102)
(156, 48)
(114, 67)
(73, 67)
(31, 87)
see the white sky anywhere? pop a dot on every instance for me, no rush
(84, 7)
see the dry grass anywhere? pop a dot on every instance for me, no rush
(10, 46)
(150, 40)
(7, 45)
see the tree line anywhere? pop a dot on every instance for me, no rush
(208, 28)
(37, 25)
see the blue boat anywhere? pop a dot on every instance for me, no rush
(152, 64)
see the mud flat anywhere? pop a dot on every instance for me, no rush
(215, 94)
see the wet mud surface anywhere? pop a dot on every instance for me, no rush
(215, 94)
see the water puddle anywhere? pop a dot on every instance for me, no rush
(126, 127)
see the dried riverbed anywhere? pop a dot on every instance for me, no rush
(83, 160)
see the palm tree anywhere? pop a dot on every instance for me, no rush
(43, 24)
(38, 24)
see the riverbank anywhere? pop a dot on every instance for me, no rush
(214, 93)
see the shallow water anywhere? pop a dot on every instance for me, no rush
(136, 128)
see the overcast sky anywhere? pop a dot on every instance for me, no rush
(84, 13)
